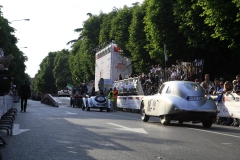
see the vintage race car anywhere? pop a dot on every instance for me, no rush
(76, 97)
(64, 92)
(99, 102)
(183, 101)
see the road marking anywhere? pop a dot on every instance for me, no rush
(123, 116)
(16, 129)
(70, 112)
(216, 133)
(137, 130)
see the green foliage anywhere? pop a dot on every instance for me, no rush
(223, 16)
(137, 40)
(119, 28)
(104, 35)
(44, 80)
(8, 43)
(61, 71)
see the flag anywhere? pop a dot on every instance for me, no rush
(69, 86)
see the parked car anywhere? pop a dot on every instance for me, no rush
(183, 101)
(99, 102)
(64, 92)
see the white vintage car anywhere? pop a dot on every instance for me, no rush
(99, 102)
(183, 101)
(229, 105)
(64, 93)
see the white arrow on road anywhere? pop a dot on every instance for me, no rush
(17, 130)
(137, 130)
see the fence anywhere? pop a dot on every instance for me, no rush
(6, 103)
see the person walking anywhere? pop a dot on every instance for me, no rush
(24, 93)
(115, 94)
(111, 98)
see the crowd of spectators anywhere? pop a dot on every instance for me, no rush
(186, 71)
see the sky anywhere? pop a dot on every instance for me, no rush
(51, 24)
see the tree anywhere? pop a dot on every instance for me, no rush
(104, 35)
(140, 58)
(61, 71)
(119, 28)
(8, 44)
(44, 80)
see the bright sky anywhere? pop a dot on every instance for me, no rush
(52, 23)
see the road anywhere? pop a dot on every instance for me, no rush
(65, 133)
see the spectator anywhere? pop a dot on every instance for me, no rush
(93, 90)
(24, 93)
(152, 70)
(236, 86)
(120, 77)
(207, 88)
(216, 85)
(196, 80)
(115, 94)
(111, 98)
(228, 90)
(238, 78)
(173, 74)
(227, 87)
(209, 83)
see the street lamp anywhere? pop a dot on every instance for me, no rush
(20, 20)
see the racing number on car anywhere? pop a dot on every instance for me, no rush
(149, 106)
(153, 104)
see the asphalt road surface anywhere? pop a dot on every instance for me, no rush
(65, 133)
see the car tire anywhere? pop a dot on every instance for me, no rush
(108, 110)
(165, 120)
(101, 109)
(207, 123)
(144, 117)
(100, 99)
(180, 122)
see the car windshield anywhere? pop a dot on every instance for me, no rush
(192, 86)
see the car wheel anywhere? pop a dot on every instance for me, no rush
(108, 110)
(208, 123)
(180, 122)
(144, 117)
(101, 109)
(100, 99)
(165, 120)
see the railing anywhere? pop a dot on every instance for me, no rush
(6, 103)
(130, 86)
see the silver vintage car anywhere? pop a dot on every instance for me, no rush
(100, 102)
(183, 101)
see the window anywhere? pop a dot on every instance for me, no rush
(161, 89)
(192, 86)
(169, 90)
